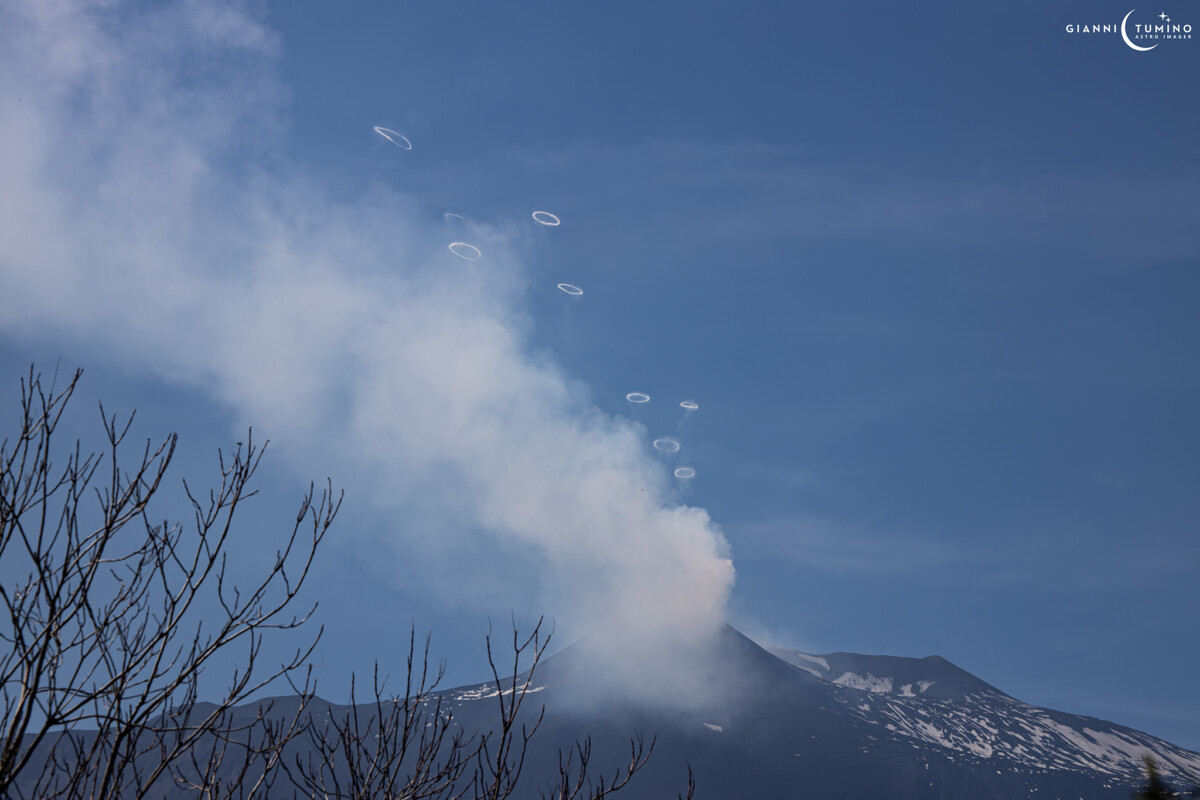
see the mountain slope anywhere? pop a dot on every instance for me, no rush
(931, 702)
(784, 724)
(841, 725)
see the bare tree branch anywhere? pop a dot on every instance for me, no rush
(398, 746)
(109, 617)
(106, 620)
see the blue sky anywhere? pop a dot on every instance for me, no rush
(930, 274)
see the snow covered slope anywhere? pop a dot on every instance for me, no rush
(842, 725)
(929, 701)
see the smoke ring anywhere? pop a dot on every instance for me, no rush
(467, 252)
(398, 139)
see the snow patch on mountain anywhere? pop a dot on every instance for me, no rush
(815, 659)
(992, 725)
(813, 665)
(486, 691)
(965, 717)
(868, 682)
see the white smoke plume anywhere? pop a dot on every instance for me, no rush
(143, 209)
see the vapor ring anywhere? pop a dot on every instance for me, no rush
(465, 251)
(398, 139)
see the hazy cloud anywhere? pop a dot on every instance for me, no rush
(136, 215)
(837, 546)
(890, 198)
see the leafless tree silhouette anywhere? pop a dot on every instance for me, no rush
(394, 747)
(410, 747)
(110, 618)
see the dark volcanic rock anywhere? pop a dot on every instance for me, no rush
(784, 724)
(845, 726)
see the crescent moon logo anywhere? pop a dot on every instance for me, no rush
(1125, 35)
